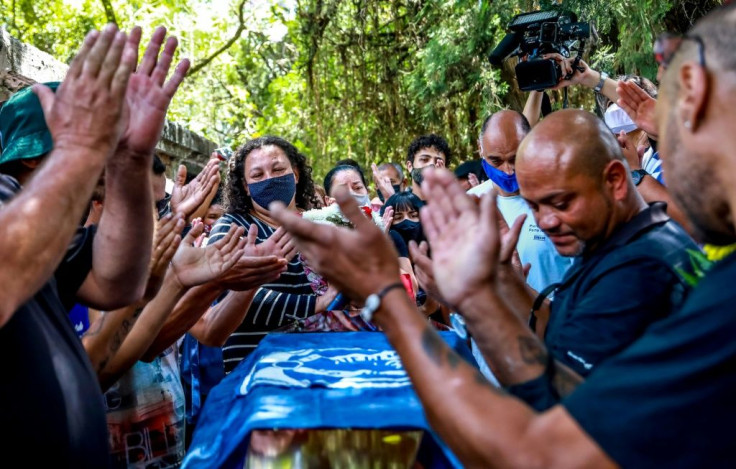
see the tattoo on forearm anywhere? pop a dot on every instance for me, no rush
(118, 338)
(565, 380)
(532, 351)
(440, 353)
(432, 344)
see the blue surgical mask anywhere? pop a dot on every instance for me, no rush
(507, 182)
(279, 188)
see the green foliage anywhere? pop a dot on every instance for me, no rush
(349, 78)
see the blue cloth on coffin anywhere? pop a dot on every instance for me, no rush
(314, 380)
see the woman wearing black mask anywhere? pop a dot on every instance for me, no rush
(406, 222)
(265, 170)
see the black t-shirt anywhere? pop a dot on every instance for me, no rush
(50, 400)
(668, 400)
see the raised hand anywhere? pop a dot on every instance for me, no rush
(629, 150)
(279, 244)
(339, 254)
(639, 106)
(189, 199)
(382, 183)
(87, 109)
(165, 243)
(149, 94)
(194, 266)
(260, 263)
(581, 75)
(473, 180)
(424, 270)
(388, 218)
(465, 238)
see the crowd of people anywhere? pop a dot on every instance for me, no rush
(564, 255)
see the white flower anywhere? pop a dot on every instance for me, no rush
(331, 215)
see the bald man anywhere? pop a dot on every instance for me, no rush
(501, 134)
(629, 255)
(628, 260)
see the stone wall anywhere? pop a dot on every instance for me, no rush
(22, 65)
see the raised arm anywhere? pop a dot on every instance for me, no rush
(84, 118)
(246, 274)
(533, 107)
(122, 246)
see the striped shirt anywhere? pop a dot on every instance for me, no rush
(274, 305)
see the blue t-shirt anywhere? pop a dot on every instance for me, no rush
(668, 400)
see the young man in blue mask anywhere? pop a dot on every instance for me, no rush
(500, 137)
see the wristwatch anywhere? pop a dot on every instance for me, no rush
(602, 82)
(373, 302)
(637, 175)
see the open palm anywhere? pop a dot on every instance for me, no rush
(469, 242)
(149, 94)
(194, 266)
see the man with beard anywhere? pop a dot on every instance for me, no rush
(427, 151)
(667, 399)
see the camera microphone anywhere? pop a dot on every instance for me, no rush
(504, 48)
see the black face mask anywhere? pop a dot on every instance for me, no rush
(410, 231)
(416, 174)
(397, 189)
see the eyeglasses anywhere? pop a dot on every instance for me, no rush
(663, 58)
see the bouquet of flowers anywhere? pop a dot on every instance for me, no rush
(331, 215)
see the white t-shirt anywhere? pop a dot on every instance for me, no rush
(534, 247)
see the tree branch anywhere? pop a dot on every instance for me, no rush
(238, 32)
(109, 12)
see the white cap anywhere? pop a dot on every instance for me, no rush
(617, 120)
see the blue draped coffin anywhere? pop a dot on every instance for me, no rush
(331, 380)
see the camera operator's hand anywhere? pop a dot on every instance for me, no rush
(582, 75)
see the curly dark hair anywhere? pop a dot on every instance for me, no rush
(429, 141)
(237, 199)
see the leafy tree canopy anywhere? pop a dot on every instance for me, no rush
(350, 78)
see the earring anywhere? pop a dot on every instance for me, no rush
(688, 125)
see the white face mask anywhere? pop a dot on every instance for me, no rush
(363, 200)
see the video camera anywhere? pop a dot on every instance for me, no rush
(534, 34)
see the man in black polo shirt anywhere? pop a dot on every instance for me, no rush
(626, 275)
(56, 142)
